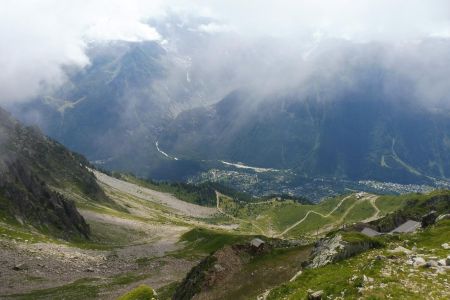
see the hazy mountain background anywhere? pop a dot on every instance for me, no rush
(320, 107)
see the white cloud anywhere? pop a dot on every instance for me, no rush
(41, 38)
(214, 27)
(352, 19)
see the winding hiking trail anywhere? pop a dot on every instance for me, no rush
(370, 198)
(313, 212)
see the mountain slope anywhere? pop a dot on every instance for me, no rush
(112, 111)
(32, 166)
(361, 134)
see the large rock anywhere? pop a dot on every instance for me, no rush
(418, 261)
(335, 248)
(317, 295)
(326, 250)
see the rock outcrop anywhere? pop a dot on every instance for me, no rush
(337, 247)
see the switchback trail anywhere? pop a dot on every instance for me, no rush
(370, 198)
(312, 212)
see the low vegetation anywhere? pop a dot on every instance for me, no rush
(142, 292)
(377, 274)
(201, 241)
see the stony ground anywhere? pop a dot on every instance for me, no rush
(136, 243)
(25, 267)
(180, 207)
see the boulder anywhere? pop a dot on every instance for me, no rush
(431, 264)
(336, 248)
(418, 261)
(446, 246)
(325, 250)
(317, 295)
(441, 262)
(447, 261)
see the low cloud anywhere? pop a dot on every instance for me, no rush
(43, 40)
(262, 44)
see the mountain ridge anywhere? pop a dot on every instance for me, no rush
(32, 168)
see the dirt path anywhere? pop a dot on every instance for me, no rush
(179, 206)
(376, 215)
(370, 198)
(262, 231)
(312, 212)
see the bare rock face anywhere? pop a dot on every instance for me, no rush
(326, 250)
(335, 248)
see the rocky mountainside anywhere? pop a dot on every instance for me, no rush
(32, 167)
(28, 200)
(113, 110)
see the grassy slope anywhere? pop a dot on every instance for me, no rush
(200, 241)
(390, 276)
(279, 215)
(142, 292)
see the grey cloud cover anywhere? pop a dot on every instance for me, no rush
(42, 40)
